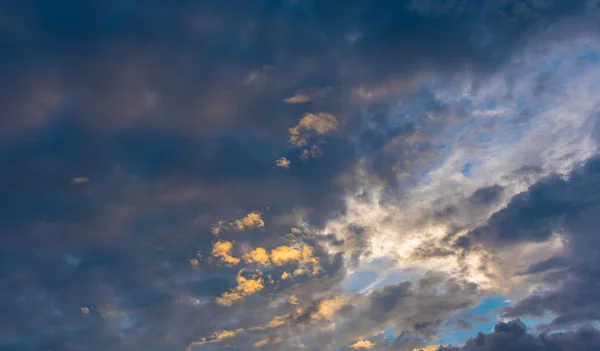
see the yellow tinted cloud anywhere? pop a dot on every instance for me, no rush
(267, 341)
(245, 287)
(327, 308)
(282, 163)
(293, 300)
(284, 254)
(252, 220)
(222, 250)
(298, 271)
(366, 344)
(215, 337)
(285, 275)
(427, 348)
(226, 334)
(319, 123)
(258, 255)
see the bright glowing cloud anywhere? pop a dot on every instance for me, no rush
(258, 255)
(360, 344)
(222, 250)
(245, 287)
(252, 220)
(285, 254)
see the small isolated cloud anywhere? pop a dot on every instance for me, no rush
(245, 287)
(312, 152)
(222, 250)
(362, 344)
(80, 180)
(258, 255)
(319, 123)
(282, 163)
(302, 96)
(252, 220)
(285, 275)
(267, 341)
(194, 262)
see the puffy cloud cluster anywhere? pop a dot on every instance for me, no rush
(252, 220)
(245, 287)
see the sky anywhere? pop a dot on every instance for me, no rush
(300, 175)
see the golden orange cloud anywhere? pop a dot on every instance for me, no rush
(252, 220)
(245, 287)
(366, 344)
(258, 255)
(267, 341)
(222, 250)
(284, 254)
(327, 308)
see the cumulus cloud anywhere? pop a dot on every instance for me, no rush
(284, 254)
(514, 335)
(245, 287)
(282, 163)
(252, 220)
(222, 250)
(319, 123)
(258, 255)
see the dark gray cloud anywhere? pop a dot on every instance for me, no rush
(567, 207)
(514, 336)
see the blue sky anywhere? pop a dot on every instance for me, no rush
(299, 175)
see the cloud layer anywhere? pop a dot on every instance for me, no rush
(300, 175)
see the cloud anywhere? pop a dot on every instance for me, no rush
(258, 255)
(362, 344)
(222, 250)
(303, 96)
(267, 341)
(252, 220)
(313, 152)
(513, 335)
(80, 180)
(319, 123)
(284, 254)
(245, 287)
(282, 163)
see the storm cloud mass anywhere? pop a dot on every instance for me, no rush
(300, 175)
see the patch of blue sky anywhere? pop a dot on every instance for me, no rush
(483, 317)
(589, 57)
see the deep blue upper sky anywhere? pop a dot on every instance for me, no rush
(300, 175)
